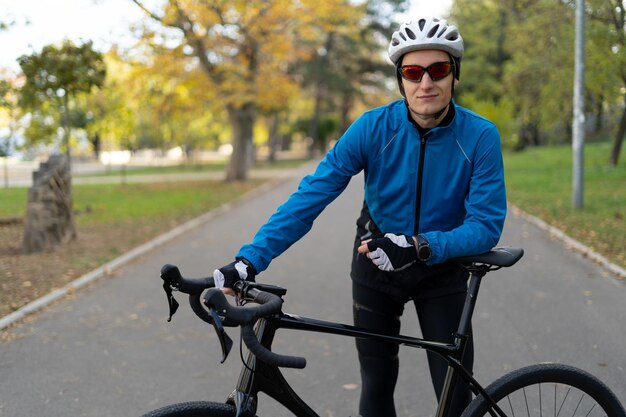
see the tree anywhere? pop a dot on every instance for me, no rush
(607, 60)
(240, 46)
(519, 65)
(516, 64)
(53, 79)
(55, 76)
(9, 121)
(8, 115)
(257, 55)
(343, 66)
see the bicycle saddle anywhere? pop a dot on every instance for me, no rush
(500, 257)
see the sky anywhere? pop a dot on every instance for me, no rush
(105, 22)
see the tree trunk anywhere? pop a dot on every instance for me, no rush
(320, 92)
(49, 217)
(96, 143)
(315, 121)
(619, 138)
(66, 127)
(242, 123)
(599, 122)
(273, 141)
(529, 135)
(347, 100)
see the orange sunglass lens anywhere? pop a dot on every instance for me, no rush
(439, 70)
(436, 71)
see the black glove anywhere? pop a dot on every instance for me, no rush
(392, 252)
(226, 276)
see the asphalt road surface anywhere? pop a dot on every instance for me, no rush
(108, 351)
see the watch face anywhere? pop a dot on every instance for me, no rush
(424, 253)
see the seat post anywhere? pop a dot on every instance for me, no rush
(461, 339)
(470, 301)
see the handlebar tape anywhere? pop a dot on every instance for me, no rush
(171, 275)
(267, 356)
(267, 304)
(215, 298)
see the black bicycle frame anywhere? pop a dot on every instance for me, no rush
(257, 376)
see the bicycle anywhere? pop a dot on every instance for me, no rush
(547, 389)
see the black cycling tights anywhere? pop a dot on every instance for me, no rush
(438, 319)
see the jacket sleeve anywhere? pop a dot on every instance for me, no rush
(485, 206)
(295, 217)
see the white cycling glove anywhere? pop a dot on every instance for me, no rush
(392, 252)
(226, 276)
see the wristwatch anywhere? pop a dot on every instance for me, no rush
(423, 249)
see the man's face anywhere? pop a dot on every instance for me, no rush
(427, 96)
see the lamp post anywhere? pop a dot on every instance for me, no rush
(578, 123)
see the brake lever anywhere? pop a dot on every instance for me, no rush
(171, 301)
(226, 342)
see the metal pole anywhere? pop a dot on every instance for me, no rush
(578, 124)
(6, 172)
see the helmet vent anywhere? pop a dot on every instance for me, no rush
(402, 36)
(410, 34)
(452, 37)
(433, 31)
(421, 23)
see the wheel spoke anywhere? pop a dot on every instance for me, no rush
(526, 402)
(590, 410)
(540, 407)
(578, 405)
(510, 406)
(564, 399)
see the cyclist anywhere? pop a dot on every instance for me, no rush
(434, 189)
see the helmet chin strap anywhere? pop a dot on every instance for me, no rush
(435, 116)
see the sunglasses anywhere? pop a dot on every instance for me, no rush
(436, 71)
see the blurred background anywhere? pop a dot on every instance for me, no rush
(129, 85)
(180, 78)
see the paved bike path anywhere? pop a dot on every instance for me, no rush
(108, 351)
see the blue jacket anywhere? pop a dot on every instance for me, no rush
(463, 201)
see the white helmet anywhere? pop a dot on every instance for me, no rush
(425, 33)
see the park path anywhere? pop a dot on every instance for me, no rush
(107, 350)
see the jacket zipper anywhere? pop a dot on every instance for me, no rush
(418, 192)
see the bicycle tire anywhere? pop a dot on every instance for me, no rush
(548, 390)
(194, 409)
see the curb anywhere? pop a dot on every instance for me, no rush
(108, 268)
(570, 243)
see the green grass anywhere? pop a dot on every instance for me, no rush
(122, 202)
(127, 200)
(13, 202)
(217, 166)
(150, 170)
(539, 181)
(181, 200)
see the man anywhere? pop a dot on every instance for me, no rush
(434, 189)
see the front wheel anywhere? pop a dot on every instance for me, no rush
(194, 409)
(548, 390)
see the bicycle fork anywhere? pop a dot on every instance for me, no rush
(257, 376)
